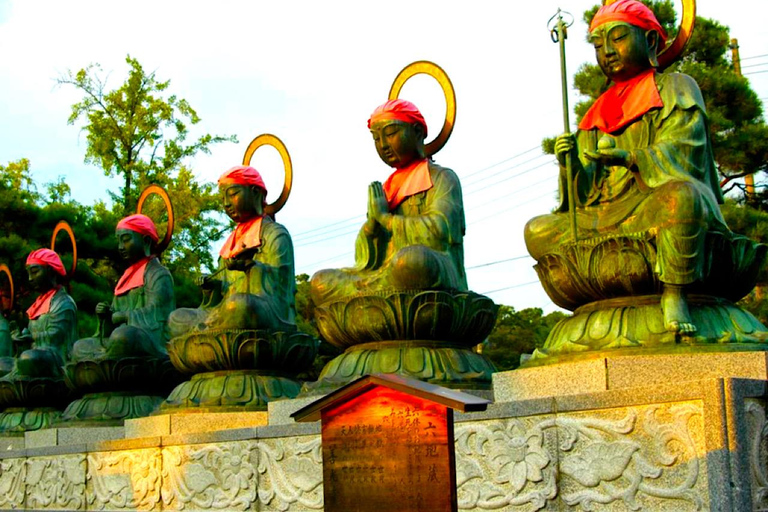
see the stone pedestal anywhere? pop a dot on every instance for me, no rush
(671, 433)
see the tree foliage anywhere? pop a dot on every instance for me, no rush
(140, 131)
(517, 333)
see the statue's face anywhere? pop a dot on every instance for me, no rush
(241, 202)
(41, 277)
(622, 49)
(397, 143)
(132, 246)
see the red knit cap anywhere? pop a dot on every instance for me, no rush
(400, 110)
(47, 257)
(629, 11)
(243, 175)
(140, 224)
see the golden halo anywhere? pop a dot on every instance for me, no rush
(64, 226)
(4, 269)
(157, 189)
(271, 140)
(436, 72)
(674, 50)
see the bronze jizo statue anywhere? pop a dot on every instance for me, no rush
(32, 392)
(52, 325)
(405, 308)
(135, 323)
(413, 237)
(242, 348)
(124, 371)
(255, 286)
(647, 215)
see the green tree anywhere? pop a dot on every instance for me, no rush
(140, 131)
(27, 221)
(517, 333)
(133, 130)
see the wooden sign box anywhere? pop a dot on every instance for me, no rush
(388, 444)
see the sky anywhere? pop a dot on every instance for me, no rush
(311, 73)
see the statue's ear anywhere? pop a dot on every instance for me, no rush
(419, 131)
(147, 240)
(652, 41)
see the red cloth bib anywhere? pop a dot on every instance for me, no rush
(247, 235)
(42, 304)
(623, 103)
(133, 277)
(406, 182)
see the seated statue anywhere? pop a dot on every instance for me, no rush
(135, 324)
(412, 239)
(255, 285)
(642, 162)
(52, 325)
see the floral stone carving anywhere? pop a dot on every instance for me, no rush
(128, 479)
(56, 482)
(278, 474)
(13, 475)
(639, 458)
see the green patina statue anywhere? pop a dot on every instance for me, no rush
(124, 370)
(242, 348)
(32, 389)
(135, 324)
(52, 325)
(413, 237)
(647, 199)
(255, 285)
(405, 307)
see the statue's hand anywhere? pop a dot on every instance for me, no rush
(378, 207)
(202, 280)
(119, 317)
(564, 143)
(238, 264)
(103, 309)
(610, 156)
(22, 338)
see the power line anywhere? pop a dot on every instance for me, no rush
(756, 65)
(510, 287)
(323, 232)
(497, 262)
(517, 205)
(324, 239)
(337, 226)
(513, 193)
(754, 57)
(467, 185)
(755, 72)
(510, 177)
(326, 226)
(502, 161)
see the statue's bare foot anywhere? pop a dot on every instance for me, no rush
(677, 318)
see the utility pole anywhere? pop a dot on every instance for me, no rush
(749, 179)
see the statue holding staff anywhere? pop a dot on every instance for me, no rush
(642, 158)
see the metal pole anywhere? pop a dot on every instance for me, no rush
(562, 34)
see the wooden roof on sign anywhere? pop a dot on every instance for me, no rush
(457, 400)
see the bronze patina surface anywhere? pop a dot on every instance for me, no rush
(241, 347)
(408, 288)
(643, 219)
